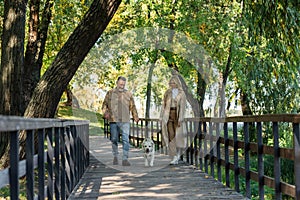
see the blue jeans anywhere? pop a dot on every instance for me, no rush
(115, 130)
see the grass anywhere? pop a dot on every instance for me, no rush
(96, 120)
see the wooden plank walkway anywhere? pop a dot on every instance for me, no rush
(102, 180)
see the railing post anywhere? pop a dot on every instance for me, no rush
(50, 163)
(227, 164)
(106, 127)
(29, 164)
(57, 163)
(132, 133)
(73, 167)
(247, 159)
(296, 131)
(63, 162)
(138, 133)
(41, 163)
(87, 145)
(14, 166)
(159, 137)
(218, 146)
(205, 155)
(76, 154)
(260, 161)
(68, 161)
(211, 146)
(188, 147)
(190, 143)
(236, 158)
(200, 136)
(151, 129)
(194, 130)
(146, 129)
(277, 171)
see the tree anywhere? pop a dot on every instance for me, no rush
(53, 83)
(48, 90)
(269, 55)
(258, 63)
(165, 14)
(12, 59)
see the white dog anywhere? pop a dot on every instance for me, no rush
(149, 151)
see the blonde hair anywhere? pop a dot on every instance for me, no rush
(176, 80)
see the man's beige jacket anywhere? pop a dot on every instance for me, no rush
(119, 105)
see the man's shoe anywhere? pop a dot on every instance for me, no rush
(125, 163)
(115, 161)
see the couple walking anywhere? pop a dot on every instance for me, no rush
(119, 103)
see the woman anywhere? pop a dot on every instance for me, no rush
(172, 116)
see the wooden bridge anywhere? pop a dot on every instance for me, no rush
(103, 180)
(63, 162)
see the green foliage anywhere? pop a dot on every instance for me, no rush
(66, 16)
(5, 191)
(96, 119)
(286, 176)
(287, 169)
(264, 37)
(268, 70)
(263, 58)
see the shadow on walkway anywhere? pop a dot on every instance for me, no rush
(102, 180)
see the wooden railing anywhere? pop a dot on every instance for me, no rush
(56, 151)
(215, 145)
(224, 135)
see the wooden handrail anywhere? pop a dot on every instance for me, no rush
(15, 123)
(294, 118)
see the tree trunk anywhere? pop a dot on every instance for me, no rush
(148, 91)
(71, 99)
(190, 98)
(225, 75)
(37, 36)
(149, 84)
(148, 96)
(47, 94)
(201, 89)
(12, 57)
(246, 110)
(12, 62)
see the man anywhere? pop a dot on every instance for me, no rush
(117, 105)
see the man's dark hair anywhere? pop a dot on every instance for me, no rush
(121, 78)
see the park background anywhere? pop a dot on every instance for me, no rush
(50, 56)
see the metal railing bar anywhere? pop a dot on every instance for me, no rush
(42, 157)
(296, 130)
(50, 156)
(247, 159)
(29, 164)
(260, 161)
(14, 167)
